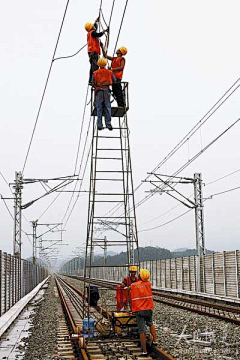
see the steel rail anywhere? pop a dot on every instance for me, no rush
(74, 329)
(161, 354)
(203, 307)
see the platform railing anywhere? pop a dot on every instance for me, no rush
(115, 109)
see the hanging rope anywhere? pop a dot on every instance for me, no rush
(69, 56)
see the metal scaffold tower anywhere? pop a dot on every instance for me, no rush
(111, 206)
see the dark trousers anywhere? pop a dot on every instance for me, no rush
(117, 92)
(93, 59)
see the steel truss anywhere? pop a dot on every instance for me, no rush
(111, 208)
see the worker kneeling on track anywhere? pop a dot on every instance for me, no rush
(102, 79)
(142, 307)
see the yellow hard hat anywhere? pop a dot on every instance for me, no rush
(89, 26)
(102, 62)
(133, 268)
(144, 274)
(123, 50)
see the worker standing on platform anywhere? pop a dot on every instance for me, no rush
(102, 79)
(118, 64)
(142, 307)
(93, 45)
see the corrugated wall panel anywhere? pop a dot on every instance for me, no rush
(208, 274)
(219, 274)
(230, 271)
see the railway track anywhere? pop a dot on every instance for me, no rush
(99, 347)
(218, 310)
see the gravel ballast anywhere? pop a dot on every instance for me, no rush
(42, 342)
(188, 335)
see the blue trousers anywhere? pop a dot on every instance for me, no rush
(103, 106)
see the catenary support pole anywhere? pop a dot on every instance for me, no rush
(17, 214)
(199, 226)
(34, 255)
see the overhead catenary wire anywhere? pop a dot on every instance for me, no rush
(79, 142)
(227, 94)
(207, 184)
(54, 59)
(222, 177)
(80, 187)
(80, 167)
(120, 28)
(167, 222)
(68, 206)
(8, 210)
(194, 157)
(76, 161)
(209, 197)
(1, 197)
(5, 180)
(200, 123)
(55, 188)
(224, 192)
(179, 216)
(190, 161)
(45, 87)
(198, 126)
(81, 130)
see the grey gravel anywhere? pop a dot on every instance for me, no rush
(187, 335)
(41, 345)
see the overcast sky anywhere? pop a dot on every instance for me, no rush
(182, 57)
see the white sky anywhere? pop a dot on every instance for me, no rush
(182, 56)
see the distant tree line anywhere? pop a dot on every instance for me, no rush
(145, 253)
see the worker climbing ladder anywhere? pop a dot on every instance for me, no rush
(111, 209)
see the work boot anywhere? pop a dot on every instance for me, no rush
(143, 355)
(109, 127)
(100, 127)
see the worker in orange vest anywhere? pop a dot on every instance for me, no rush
(118, 64)
(125, 286)
(142, 307)
(102, 79)
(131, 278)
(93, 45)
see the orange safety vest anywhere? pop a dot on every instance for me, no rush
(141, 296)
(93, 43)
(129, 280)
(116, 62)
(103, 78)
